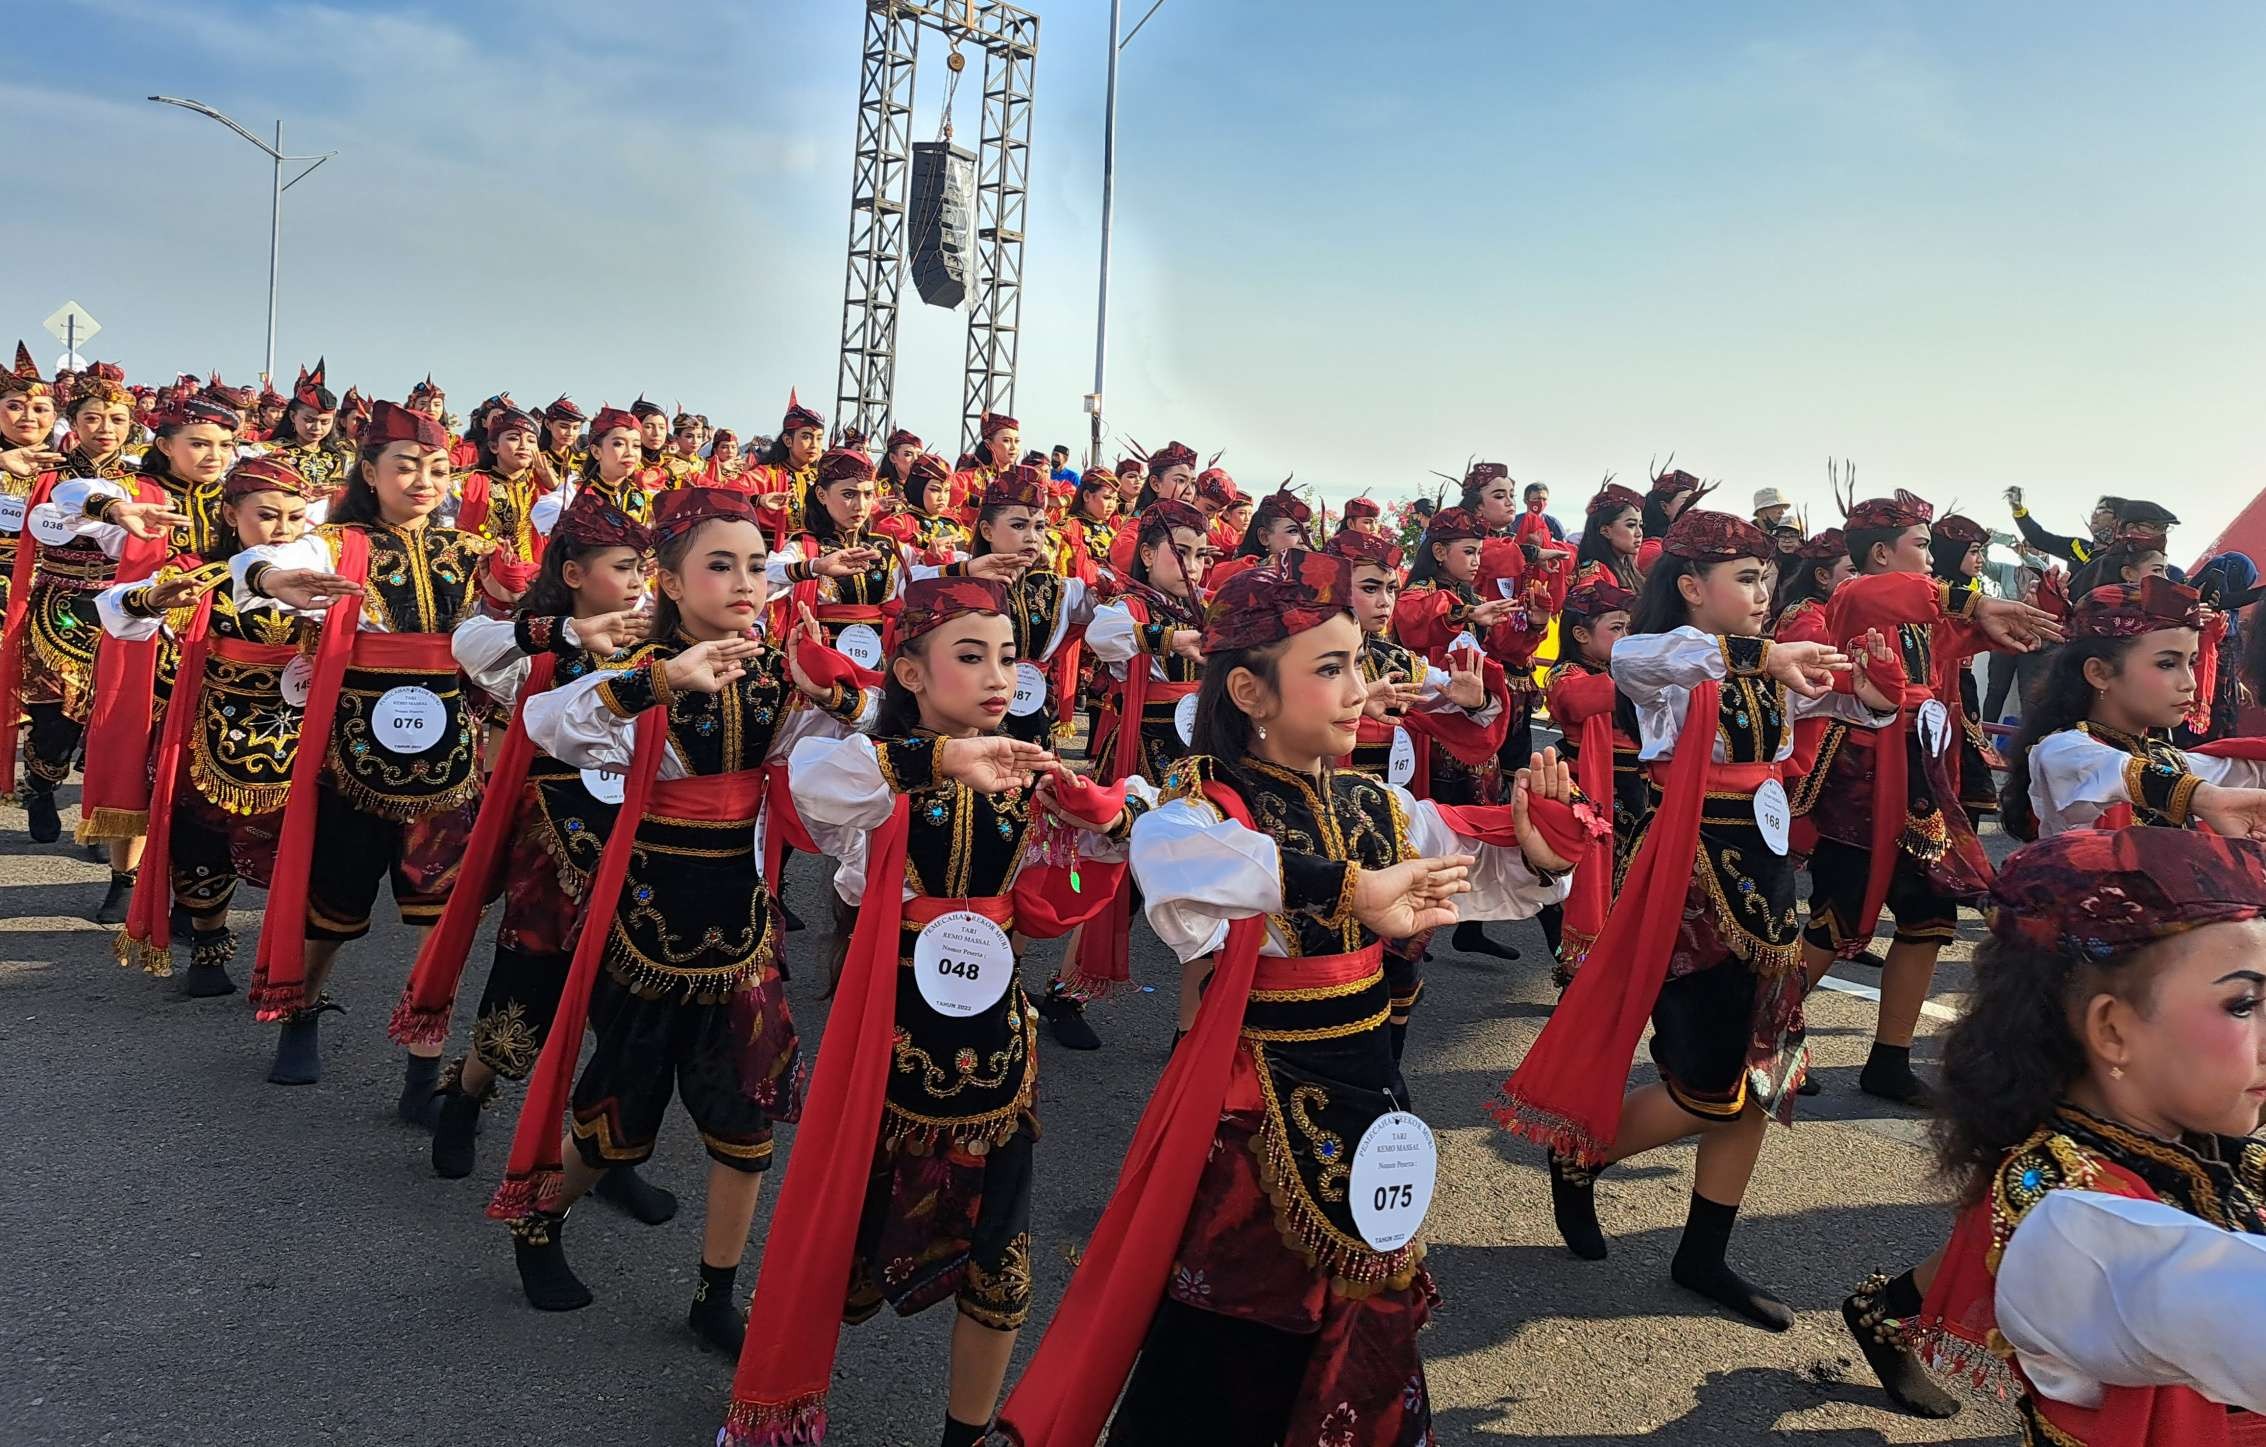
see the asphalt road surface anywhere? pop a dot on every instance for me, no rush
(189, 1255)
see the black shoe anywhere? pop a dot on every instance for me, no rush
(118, 899)
(420, 1101)
(454, 1152)
(1470, 939)
(208, 966)
(716, 1321)
(1888, 1075)
(1886, 1344)
(1066, 1017)
(544, 1275)
(42, 820)
(622, 1186)
(298, 1050)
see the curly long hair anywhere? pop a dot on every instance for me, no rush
(2014, 1055)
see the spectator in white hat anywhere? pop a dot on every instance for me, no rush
(1770, 506)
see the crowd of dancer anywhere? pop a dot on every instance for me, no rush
(606, 673)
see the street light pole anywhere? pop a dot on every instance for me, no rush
(1109, 191)
(275, 200)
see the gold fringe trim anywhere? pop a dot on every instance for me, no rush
(131, 952)
(234, 795)
(400, 809)
(112, 826)
(1770, 961)
(1926, 839)
(1356, 1269)
(920, 1135)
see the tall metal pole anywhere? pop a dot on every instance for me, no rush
(275, 246)
(1109, 193)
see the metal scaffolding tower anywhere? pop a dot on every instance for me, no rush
(1009, 38)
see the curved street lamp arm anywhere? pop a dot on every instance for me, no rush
(204, 110)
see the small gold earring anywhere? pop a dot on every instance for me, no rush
(1262, 729)
(2116, 1072)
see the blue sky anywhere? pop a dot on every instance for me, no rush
(1965, 245)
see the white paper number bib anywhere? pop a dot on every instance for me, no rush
(1400, 765)
(1184, 719)
(1394, 1169)
(298, 681)
(861, 645)
(1774, 815)
(604, 785)
(52, 530)
(409, 720)
(1935, 726)
(962, 962)
(1030, 690)
(11, 516)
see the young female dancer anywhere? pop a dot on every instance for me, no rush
(1277, 524)
(1263, 1304)
(927, 1085)
(1611, 538)
(1091, 528)
(1956, 549)
(2101, 1100)
(689, 998)
(230, 735)
(387, 783)
(1584, 705)
(1048, 609)
(1150, 638)
(579, 614)
(1719, 974)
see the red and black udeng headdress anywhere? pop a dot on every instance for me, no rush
(1097, 477)
(266, 474)
(1277, 599)
(994, 423)
(1131, 467)
(610, 419)
(309, 391)
(390, 422)
(1214, 486)
(1453, 525)
(103, 383)
(1890, 514)
(1595, 600)
(1167, 515)
(681, 509)
(902, 438)
(1959, 529)
(1612, 500)
(1172, 454)
(1483, 473)
(842, 464)
(928, 467)
(1019, 486)
(24, 377)
(1365, 548)
(2127, 610)
(426, 391)
(1282, 503)
(592, 522)
(2091, 894)
(1359, 508)
(1675, 480)
(562, 410)
(505, 417)
(798, 416)
(1715, 537)
(191, 410)
(1825, 547)
(930, 603)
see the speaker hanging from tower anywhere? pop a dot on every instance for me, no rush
(943, 206)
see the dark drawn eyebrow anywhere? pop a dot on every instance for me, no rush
(2248, 977)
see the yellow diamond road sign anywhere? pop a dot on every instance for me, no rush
(71, 325)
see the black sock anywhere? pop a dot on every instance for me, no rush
(959, 1434)
(624, 1187)
(1573, 1205)
(1888, 1073)
(1878, 1318)
(714, 1318)
(421, 1074)
(717, 1280)
(1699, 1266)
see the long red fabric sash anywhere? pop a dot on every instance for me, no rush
(795, 1322)
(1080, 1367)
(148, 937)
(1105, 951)
(533, 1175)
(1567, 1092)
(1586, 703)
(114, 795)
(422, 1015)
(12, 634)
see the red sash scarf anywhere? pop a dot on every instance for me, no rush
(533, 1176)
(1585, 702)
(279, 977)
(148, 937)
(422, 1016)
(12, 634)
(1567, 1092)
(1065, 1396)
(114, 797)
(1105, 952)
